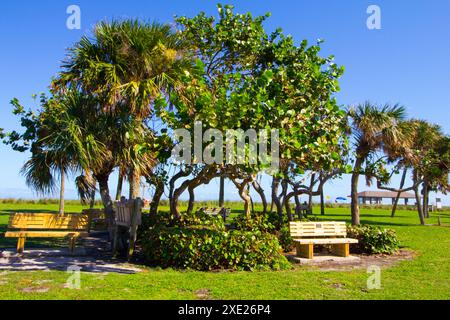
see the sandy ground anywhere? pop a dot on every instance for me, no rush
(92, 256)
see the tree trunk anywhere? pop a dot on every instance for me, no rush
(298, 212)
(191, 199)
(419, 207)
(310, 196)
(322, 200)
(135, 180)
(262, 195)
(92, 202)
(402, 184)
(222, 192)
(159, 190)
(174, 200)
(119, 187)
(276, 200)
(354, 192)
(287, 205)
(107, 202)
(243, 193)
(61, 192)
(425, 191)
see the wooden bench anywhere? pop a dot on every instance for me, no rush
(127, 217)
(47, 225)
(97, 219)
(307, 234)
(223, 212)
(304, 210)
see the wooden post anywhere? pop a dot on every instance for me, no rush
(135, 219)
(342, 249)
(305, 250)
(72, 243)
(20, 245)
(115, 239)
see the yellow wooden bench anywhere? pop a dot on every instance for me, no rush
(307, 234)
(97, 219)
(47, 225)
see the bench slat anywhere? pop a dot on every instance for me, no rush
(44, 234)
(326, 241)
(48, 221)
(318, 229)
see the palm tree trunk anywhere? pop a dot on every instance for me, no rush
(354, 192)
(107, 202)
(419, 206)
(402, 183)
(92, 202)
(426, 211)
(222, 192)
(135, 179)
(119, 187)
(61, 192)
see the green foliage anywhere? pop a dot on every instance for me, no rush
(285, 239)
(255, 223)
(244, 73)
(201, 242)
(374, 240)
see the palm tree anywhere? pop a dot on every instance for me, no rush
(63, 144)
(129, 65)
(373, 128)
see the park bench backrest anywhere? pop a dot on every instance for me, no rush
(48, 221)
(318, 229)
(123, 213)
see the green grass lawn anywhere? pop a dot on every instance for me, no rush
(425, 277)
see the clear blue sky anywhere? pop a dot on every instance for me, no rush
(407, 61)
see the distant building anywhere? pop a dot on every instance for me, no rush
(376, 197)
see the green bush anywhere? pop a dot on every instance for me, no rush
(373, 240)
(202, 243)
(285, 239)
(257, 222)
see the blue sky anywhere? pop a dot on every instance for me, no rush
(407, 61)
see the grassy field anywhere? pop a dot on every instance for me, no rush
(425, 277)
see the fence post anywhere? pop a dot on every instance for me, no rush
(135, 215)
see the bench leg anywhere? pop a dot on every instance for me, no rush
(342, 249)
(72, 242)
(115, 240)
(20, 245)
(305, 250)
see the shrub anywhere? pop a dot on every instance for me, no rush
(286, 241)
(201, 242)
(205, 249)
(255, 223)
(373, 240)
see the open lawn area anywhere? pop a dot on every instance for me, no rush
(425, 277)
